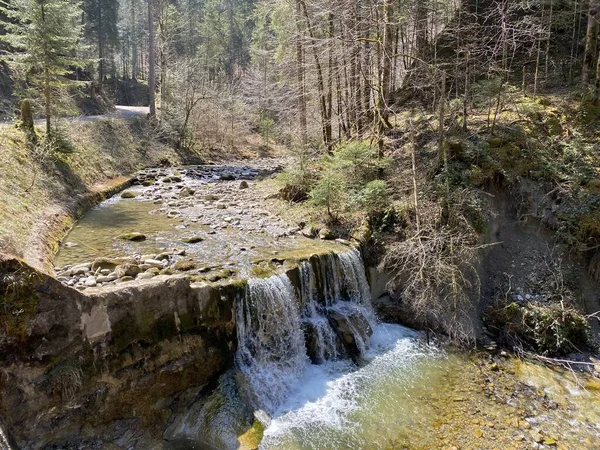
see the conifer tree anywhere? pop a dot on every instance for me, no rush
(44, 36)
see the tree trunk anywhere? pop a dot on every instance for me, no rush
(300, 76)
(151, 61)
(100, 48)
(591, 37)
(134, 43)
(597, 88)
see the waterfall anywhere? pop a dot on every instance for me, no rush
(271, 353)
(4, 444)
(325, 343)
(279, 334)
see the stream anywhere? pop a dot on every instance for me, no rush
(314, 365)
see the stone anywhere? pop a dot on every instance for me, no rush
(186, 192)
(145, 276)
(346, 324)
(106, 278)
(127, 270)
(184, 266)
(309, 232)
(90, 281)
(154, 263)
(325, 234)
(192, 239)
(163, 257)
(104, 264)
(244, 185)
(128, 194)
(134, 237)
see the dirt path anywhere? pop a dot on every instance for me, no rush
(120, 112)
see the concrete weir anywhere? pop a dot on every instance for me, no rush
(117, 361)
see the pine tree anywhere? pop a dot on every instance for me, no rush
(44, 36)
(101, 29)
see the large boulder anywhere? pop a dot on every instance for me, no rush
(352, 327)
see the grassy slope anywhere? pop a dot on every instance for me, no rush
(30, 183)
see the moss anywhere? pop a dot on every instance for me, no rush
(18, 299)
(184, 266)
(264, 270)
(134, 237)
(128, 194)
(192, 240)
(252, 438)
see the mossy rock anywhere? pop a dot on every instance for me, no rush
(105, 263)
(192, 240)
(184, 266)
(496, 142)
(128, 194)
(134, 237)
(252, 438)
(455, 147)
(147, 183)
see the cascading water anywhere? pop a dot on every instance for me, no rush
(4, 445)
(271, 352)
(325, 338)
(274, 346)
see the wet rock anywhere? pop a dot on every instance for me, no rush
(81, 269)
(192, 239)
(124, 279)
(244, 185)
(351, 326)
(128, 194)
(134, 237)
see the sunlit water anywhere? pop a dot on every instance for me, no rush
(337, 405)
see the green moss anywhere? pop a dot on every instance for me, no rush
(184, 266)
(192, 239)
(134, 237)
(128, 194)
(264, 270)
(18, 299)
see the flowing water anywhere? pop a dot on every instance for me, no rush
(4, 444)
(317, 367)
(294, 364)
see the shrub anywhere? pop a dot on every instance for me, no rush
(551, 330)
(358, 161)
(330, 192)
(296, 184)
(374, 197)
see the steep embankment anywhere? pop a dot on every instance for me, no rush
(43, 190)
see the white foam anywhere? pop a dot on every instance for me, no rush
(327, 395)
